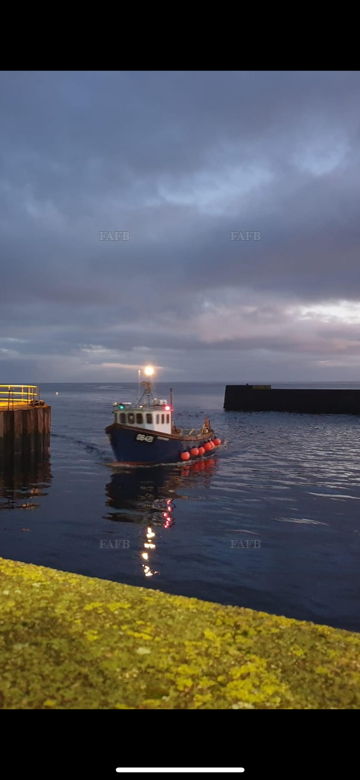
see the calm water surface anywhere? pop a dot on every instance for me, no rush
(271, 522)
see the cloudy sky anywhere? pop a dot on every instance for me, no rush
(235, 197)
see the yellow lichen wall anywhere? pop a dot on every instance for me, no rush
(69, 641)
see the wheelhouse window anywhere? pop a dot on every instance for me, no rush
(162, 419)
(131, 418)
(149, 418)
(123, 418)
(167, 418)
(157, 419)
(139, 418)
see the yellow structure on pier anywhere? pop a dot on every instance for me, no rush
(18, 396)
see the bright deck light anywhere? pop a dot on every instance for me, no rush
(149, 370)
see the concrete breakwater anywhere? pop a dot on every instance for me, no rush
(264, 398)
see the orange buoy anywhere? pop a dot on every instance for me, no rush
(207, 446)
(217, 442)
(194, 452)
(185, 456)
(201, 450)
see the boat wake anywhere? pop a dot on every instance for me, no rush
(115, 464)
(93, 448)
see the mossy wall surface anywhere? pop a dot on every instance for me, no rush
(69, 641)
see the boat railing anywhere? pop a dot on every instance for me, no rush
(12, 396)
(128, 406)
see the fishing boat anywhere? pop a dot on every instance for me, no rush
(144, 433)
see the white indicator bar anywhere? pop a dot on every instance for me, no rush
(181, 769)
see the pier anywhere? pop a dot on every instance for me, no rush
(264, 398)
(25, 420)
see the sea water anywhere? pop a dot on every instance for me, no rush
(270, 521)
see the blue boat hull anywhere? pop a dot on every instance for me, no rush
(142, 447)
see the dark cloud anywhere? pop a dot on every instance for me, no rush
(239, 193)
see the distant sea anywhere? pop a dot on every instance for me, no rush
(271, 522)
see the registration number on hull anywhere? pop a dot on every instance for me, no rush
(146, 437)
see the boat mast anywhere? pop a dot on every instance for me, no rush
(147, 393)
(146, 384)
